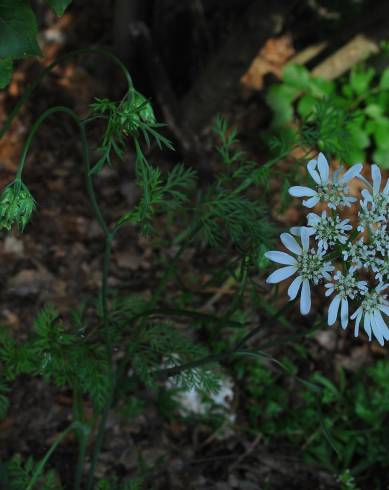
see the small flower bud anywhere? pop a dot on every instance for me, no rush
(16, 206)
(134, 111)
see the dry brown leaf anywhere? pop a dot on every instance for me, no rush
(270, 59)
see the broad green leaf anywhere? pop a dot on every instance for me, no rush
(384, 80)
(382, 99)
(319, 87)
(280, 98)
(359, 136)
(381, 156)
(59, 6)
(18, 30)
(306, 105)
(374, 111)
(360, 80)
(5, 72)
(355, 155)
(379, 129)
(347, 91)
(296, 76)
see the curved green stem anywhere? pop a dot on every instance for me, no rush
(83, 443)
(35, 128)
(85, 154)
(99, 440)
(104, 290)
(41, 465)
(29, 90)
(89, 183)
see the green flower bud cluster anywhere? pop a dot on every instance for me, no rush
(16, 206)
(135, 111)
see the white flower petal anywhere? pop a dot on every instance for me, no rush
(290, 243)
(351, 173)
(281, 257)
(380, 326)
(344, 313)
(367, 325)
(384, 308)
(294, 287)
(300, 191)
(311, 202)
(305, 301)
(377, 330)
(305, 238)
(366, 196)
(313, 218)
(295, 230)
(311, 167)
(333, 310)
(386, 188)
(376, 176)
(323, 167)
(362, 285)
(329, 289)
(381, 322)
(357, 322)
(281, 274)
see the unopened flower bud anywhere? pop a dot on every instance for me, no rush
(16, 206)
(134, 111)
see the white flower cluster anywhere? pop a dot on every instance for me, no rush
(353, 264)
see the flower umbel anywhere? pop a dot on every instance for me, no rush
(370, 310)
(374, 208)
(333, 191)
(345, 286)
(328, 230)
(16, 206)
(309, 264)
(360, 253)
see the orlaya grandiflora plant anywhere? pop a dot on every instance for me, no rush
(94, 354)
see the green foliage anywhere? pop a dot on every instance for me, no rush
(5, 71)
(4, 402)
(159, 194)
(331, 129)
(20, 473)
(16, 206)
(112, 484)
(132, 116)
(343, 428)
(19, 30)
(78, 352)
(345, 119)
(226, 212)
(18, 33)
(346, 481)
(58, 355)
(59, 6)
(299, 85)
(157, 343)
